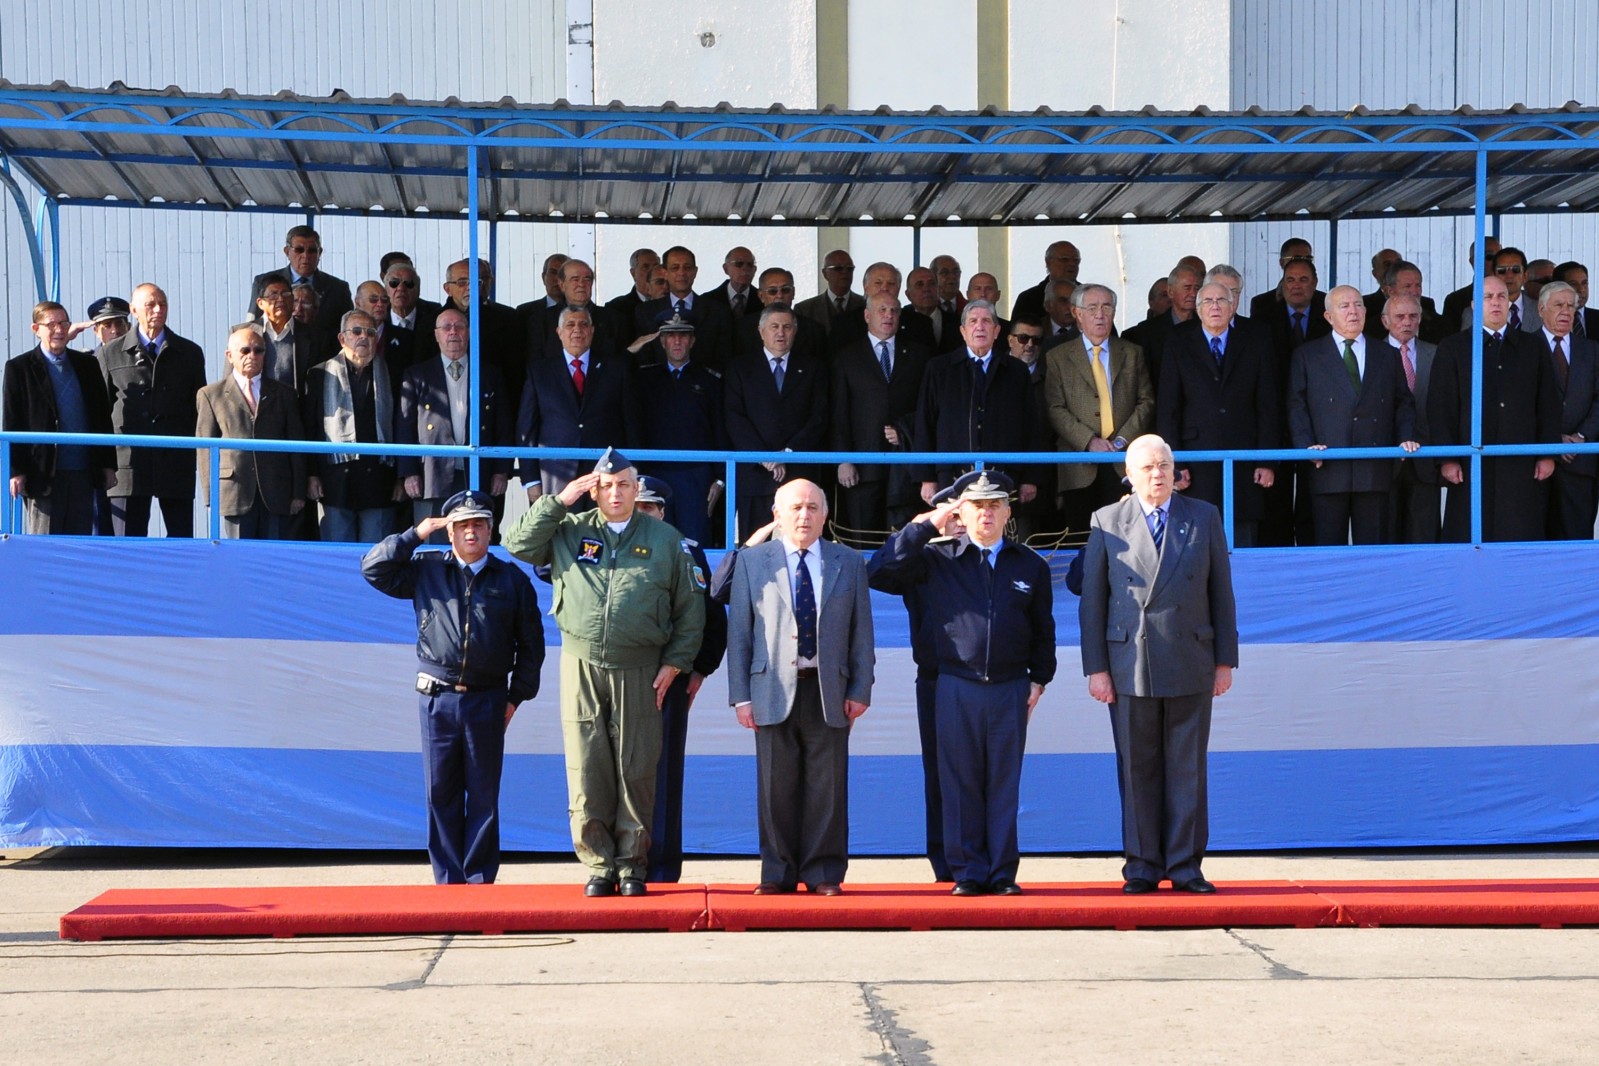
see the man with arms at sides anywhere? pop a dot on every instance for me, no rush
(1221, 393)
(1404, 279)
(436, 408)
(579, 395)
(624, 307)
(666, 832)
(53, 389)
(1520, 405)
(882, 279)
(876, 382)
(838, 274)
(577, 291)
(1586, 322)
(975, 399)
(411, 318)
(1573, 495)
(987, 614)
(737, 292)
(1457, 305)
(260, 491)
(1159, 642)
(632, 617)
(1345, 391)
(713, 323)
(153, 376)
(682, 409)
(776, 286)
(1062, 261)
(292, 349)
(776, 401)
(921, 289)
(1099, 396)
(351, 399)
(502, 337)
(1413, 498)
(302, 248)
(800, 664)
(479, 649)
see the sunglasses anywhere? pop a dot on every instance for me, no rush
(361, 331)
(403, 283)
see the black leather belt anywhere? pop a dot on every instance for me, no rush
(806, 673)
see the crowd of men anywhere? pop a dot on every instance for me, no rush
(905, 363)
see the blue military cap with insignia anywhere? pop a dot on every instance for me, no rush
(612, 462)
(983, 485)
(653, 490)
(466, 505)
(108, 309)
(676, 324)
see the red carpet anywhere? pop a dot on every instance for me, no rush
(358, 910)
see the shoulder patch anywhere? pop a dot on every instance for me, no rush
(699, 577)
(590, 550)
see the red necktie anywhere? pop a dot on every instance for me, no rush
(577, 376)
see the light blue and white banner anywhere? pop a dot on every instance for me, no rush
(188, 693)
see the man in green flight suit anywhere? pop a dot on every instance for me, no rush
(631, 614)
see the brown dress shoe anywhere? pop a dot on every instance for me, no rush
(772, 888)
(826, 888)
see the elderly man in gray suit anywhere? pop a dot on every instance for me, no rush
(1159, 642)
(800, 662)
(1414, 496)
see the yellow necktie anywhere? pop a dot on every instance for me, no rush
(1107, 425)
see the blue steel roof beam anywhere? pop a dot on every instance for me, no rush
(923, 207)
(759, 186)
(845, 187)
(492, 212)
(1099, 205)
(99, 154)
(308, 196)
(1207, 187)
(394, 177)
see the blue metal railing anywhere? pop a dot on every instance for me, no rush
(10, 521)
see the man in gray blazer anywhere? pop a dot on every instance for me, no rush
(800, 662)
(1159, 642)
(1414, 501)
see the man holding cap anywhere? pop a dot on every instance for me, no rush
(987, 608)
(477, 625)
(666, 833)
(631, 617)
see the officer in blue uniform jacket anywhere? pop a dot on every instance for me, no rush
(477, 625)
(666, 832)
(987, 614)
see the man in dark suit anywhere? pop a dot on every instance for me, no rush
(407, 309)
(713, 324)
(303, 250)
(1062, 261)
(53, 389)
(351, 399)
(1586, 322)
(947, 272)
(1510, 265)
(577, 291)
(1413, 498)
(1293, 248)
(882, 279)
(260, 491)
(1295, 312)
(1220, 392)
(876, 382)
(921, 290)
(1520, 405)
(738, 293)
(800, 665)
(1042, 515)
(1060, 325)
(1346, 392)
(292, 348)
(776, 401)
(976, 399)
(1380, 264)
(1159, 643)
(1574, 495)
(1457, 305)
(776, 286)
(435, 408)
(1152, 334)
(623, 308)
(577, 396)
(1404, 279)
(502, 333)
(838, 273)
(152, 376)
(682, 408)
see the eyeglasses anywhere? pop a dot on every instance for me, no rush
(275, 296)
(54, 324)
(451, 327)
(403, 283)
(1100, 309)
(253, 350)
(742, 264)
(1215, 301)
(361, 331)
(847, 268)
(305, 249)
(777, 290)
(1027, 340)
(1509, 269)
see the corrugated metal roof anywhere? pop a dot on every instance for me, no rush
(225, 151)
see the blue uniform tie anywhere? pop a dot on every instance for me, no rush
(1215, 350)
(1157, 526)
(805, 609)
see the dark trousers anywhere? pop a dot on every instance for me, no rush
(1413, 508)
(862, 514)
(1573, 504)
(463, 751)
(258, 523)
(69, 509)
(1077, 506)
(1340, 517)
(666, 828)
(802, 776)
(691, 484)
(982, 732)
(130, 515)
(1161, 747)
(932, 794)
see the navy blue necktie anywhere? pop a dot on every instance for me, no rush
(805, 609)
(1215, 350)
(1158, 527)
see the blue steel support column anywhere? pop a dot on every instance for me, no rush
(214, 512)
(729, 500)
(494, 246)
(474, 321)
(1227, 499)
(1474, 475)
(29, 231)
(5, 488)
(1332, 254)
(47, 218)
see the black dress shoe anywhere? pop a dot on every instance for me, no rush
(966, 888)
(1197, 885)
(1005, 888)
(1137, 886)
(772, 888)
(632, 886)
(600, 886)
(826, 888)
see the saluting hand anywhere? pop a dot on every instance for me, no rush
(578, 488)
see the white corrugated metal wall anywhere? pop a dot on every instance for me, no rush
(1440, 54)
(473, 50)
